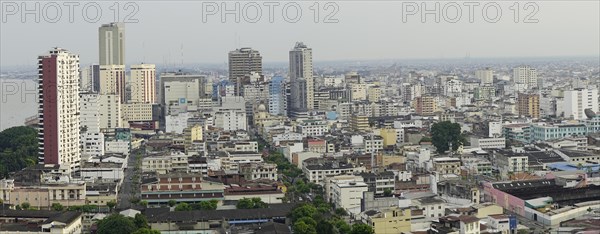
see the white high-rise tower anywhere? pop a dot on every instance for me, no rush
(58, 105)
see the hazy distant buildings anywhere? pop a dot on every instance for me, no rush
(112, 81)
(529, 105)
(111, 39)
(578, 100)
(58, 105)
(525, 75)
(301, 77)
(143, 83)
(486, 76)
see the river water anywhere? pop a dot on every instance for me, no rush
(18, 101)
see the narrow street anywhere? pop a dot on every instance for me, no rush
(127, 187)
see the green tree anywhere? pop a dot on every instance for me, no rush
(146, 231)
(18, 149)
(140, 221)
(172, 203)
(209, 205)
(443, 133)
(342, 226)
(25, 205)
(387, 192)
(116, 224)
(308, 220)
(305, 210)
(251, 203)
(111, 204)
(361, 228)
(183, 207)
(57, 207)
(144, 203)
(425, 139)
(325, 227)
(301, 227)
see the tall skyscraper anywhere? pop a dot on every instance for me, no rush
(529, 105)
(242, 62)
(525, 75)
(277, 96)
(486, 76)
(143, 83)
(112, 80)
(58, 105)
(578, 100)
(301, 67)
(111, 39)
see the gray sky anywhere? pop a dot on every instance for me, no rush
(366, 30)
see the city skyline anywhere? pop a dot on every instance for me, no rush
(558, 24)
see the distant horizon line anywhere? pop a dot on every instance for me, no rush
(464, 58)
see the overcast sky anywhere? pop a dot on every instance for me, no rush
(366, 30)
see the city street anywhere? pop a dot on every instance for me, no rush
(127, 187)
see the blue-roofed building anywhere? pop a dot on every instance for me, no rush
(565, 166)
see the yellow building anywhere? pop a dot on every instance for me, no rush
(390, 220)
(389, 135)
(193, 134)
(359, 122)
(529, 105)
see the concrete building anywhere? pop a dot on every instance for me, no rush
(433, 207)
(316, 173)
(242, 62)
(525, 75)
(181, 92)
(89, 80)
(277, 96)
(578, 100)
(58, 108)
(181, 187)
(301, 67)
(348, 195)
(488, 143)
(380, 182)
(528, 105)
(35, 221)
(256, 171)
(143, 83)
(486, 76)
(231, 119)
(388, 220)
(425, 105)
(112, 81)
(111, 38)
(447, 165)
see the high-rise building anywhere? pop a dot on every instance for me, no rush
(58, 105)
(143, 83)
(112, 81)
(486, 76)
(425, 105)
(111, 38)
(242, 62)
(578, 100)
(89, 80)
(529, 105)
(301, 67)
(298, 95)
(181, 92)
(525, 75)
(277, 96)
